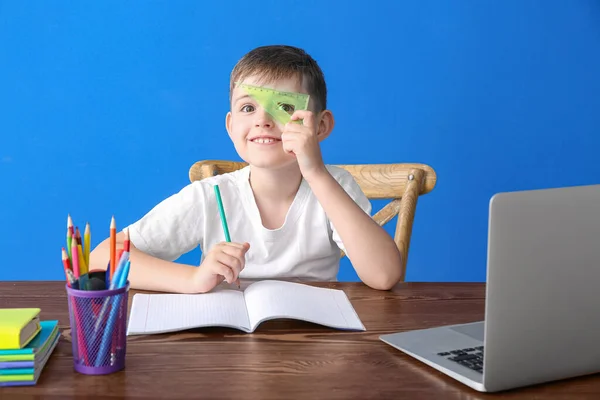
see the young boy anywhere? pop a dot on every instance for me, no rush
(288, 213)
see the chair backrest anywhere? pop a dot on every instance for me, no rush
(402, 183)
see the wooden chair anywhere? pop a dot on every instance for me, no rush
(402, 183)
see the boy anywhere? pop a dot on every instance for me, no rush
(288, 213)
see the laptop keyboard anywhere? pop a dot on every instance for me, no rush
(471, 357)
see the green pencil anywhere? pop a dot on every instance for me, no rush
(224, 220)
(222, 213)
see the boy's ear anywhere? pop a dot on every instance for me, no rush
(326, 123)
(228, 123)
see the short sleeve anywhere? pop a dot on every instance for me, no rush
(346, 180)
(171, 228)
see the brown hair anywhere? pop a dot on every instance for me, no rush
(270, 63)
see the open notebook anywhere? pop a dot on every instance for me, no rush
(244, 310)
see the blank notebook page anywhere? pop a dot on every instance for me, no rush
(268, 299)
(155, 313)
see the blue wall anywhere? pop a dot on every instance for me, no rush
(105, 105)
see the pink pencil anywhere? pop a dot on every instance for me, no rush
(75, 257)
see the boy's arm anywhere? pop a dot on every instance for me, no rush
(168, 230)
(147, 272)
(371, 250)
(369, 247)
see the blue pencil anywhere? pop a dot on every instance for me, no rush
(114, 312)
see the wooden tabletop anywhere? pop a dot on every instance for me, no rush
(281, 359)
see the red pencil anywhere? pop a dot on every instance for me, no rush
(127, 242)
(65, 260)
(113, 246)
(69, 234)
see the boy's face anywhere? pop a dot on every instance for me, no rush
(255, 133)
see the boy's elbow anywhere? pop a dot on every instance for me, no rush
(388, 277)
(385, 282)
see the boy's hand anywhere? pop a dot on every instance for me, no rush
(302, 141)
(223, 262)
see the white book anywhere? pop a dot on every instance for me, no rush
(243, 310)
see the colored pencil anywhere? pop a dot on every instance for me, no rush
(87, 244)
(224, 220)
(80, 329)
(119, 257)
(78, 235)
(222, 214)
(69, 234)
(127, 242)
(113, 246)
(66, 264)
(75, 258)
(114, 284)
(83, 269)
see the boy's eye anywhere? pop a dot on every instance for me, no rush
(247, 108)
(288, 108)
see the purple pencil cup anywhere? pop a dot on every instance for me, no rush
(98, 321)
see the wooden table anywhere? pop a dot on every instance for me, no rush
(282, 359)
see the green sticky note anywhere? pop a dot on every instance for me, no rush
(280, 105)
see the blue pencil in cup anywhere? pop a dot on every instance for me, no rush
(112, 286)
(115, 315)
(101, 322)
(223, 220)
(120, 340)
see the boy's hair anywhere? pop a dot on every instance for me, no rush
(270, 63)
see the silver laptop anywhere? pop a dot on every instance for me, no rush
(542, 311)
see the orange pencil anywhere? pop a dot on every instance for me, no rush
(113, 246)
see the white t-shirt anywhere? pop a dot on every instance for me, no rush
(306, 246)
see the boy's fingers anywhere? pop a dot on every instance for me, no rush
(238, 247)
(238, 261)
(290, 127)
(288, 147)
(225, 271)
(305, 116)
(289, 136)
(232, 244)
(288, 141)
(231, 261)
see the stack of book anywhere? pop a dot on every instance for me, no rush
(26, 343)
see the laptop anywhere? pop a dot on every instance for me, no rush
(542, 311)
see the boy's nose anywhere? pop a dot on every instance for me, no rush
(263, 119)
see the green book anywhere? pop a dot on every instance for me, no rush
(35, 347)
(17, 371)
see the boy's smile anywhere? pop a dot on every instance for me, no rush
(264, 140)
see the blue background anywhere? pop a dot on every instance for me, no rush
(104, 106)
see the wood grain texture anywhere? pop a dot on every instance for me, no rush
(402, 183)
(377, 181)
(406, 216)
(282, 359)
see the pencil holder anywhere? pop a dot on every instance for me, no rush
(98, 321)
